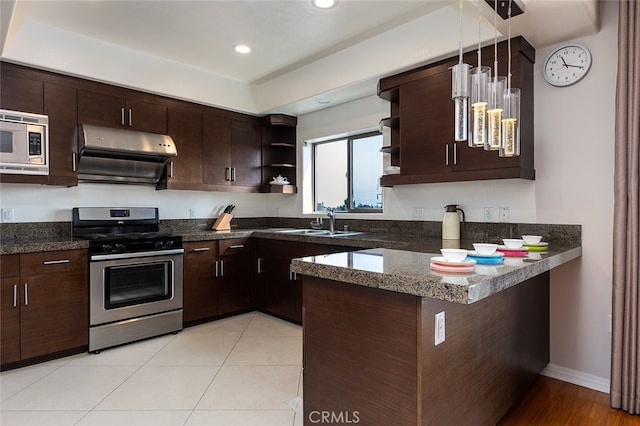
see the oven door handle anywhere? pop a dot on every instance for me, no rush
(116, 256)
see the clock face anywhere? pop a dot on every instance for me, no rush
(567, 65)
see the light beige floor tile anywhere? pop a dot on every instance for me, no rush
(232, 326)
(135, 418)
(137, 353)
(301, 383)
(161, 388)
(263, 325)
(196, 349)
(40, 418)
(266, 351)
(241, 418)
(13, 381)
(252, 387)
(70, 388)
(299, 420)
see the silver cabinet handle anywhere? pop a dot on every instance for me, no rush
(233, 174)
(222, 268)
(15, 295)
(55, 262)
(292, 275)
(73, 162)
(171, 169)
(130, 122)
(122, 116)
(217, 269)
(455, 153)
(26, 295)
(237, 246)
(260, 270)
(201, 249)
(227, 174)
(446, 155)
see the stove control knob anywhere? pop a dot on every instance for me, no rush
(120, 247)
(159, 245)
(169, 244)
(107, 248)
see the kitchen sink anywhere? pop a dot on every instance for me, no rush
(319, 232)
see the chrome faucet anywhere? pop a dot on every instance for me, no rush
(332, 221)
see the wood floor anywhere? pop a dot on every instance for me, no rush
(553, 402)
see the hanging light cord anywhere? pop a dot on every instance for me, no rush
(509, 48)
(460, 33)
(495, 40)
(479, 47)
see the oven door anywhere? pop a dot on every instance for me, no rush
(130, 285)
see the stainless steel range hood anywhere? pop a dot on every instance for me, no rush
(122, 156)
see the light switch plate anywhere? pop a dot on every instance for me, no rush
(8, 215)
(439, 328)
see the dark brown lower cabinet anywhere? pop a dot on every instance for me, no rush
(282, 288)
(370, 355)
(200, 292)
(237, 275)
(46, 307)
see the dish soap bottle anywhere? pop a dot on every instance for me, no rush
(451, 222)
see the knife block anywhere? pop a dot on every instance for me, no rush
(223, 222)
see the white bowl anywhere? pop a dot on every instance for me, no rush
(454, 255)
(485, 248)
(513, 243)
(532, 239)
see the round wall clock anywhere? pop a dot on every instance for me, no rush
(567, 65)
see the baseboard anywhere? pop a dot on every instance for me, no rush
(577, 378)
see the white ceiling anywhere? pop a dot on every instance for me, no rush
(287, 37)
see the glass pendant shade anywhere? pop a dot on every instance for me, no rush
(511, 124)
(479, 99)
(460, 96)
(497, 88)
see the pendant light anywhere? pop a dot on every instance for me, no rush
(510, 146)
(496, 88)
(460, 90)
(480, 77)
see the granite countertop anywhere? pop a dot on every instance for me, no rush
(409, 271)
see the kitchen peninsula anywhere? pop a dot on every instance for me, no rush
(369, 330)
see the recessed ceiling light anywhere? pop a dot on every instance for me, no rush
(242, 48)
(323, 101)
(324, 4)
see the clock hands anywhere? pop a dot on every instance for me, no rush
(564, 64)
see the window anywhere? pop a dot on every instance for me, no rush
(346, 173)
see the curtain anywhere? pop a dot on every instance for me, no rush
(625, 357)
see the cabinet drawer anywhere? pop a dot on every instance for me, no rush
(53, 262)
(234, 246)
(201, 249)
(10, 266)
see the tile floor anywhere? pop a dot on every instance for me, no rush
(244, 370)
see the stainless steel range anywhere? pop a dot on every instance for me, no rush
(135, 274)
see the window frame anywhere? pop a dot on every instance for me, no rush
(349, 138)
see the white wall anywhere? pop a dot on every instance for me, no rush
(574, 165)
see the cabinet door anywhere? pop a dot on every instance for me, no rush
(425, 108)
(61, 107)
(280, 292)
(200, 284)
(101, 110)
(216, 153)
(146, 116)
(10, 300)
(185, 128)
(245, 154)
(54, 314)
(20, 94)
(238, 275)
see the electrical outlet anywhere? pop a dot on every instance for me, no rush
(439, 329)
(489, 215)
(8, 215)
(504, 214)
(192, 213)
(417, 213)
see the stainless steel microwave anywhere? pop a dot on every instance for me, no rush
(24, 143)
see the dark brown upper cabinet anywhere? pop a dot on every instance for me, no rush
(421, 122)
